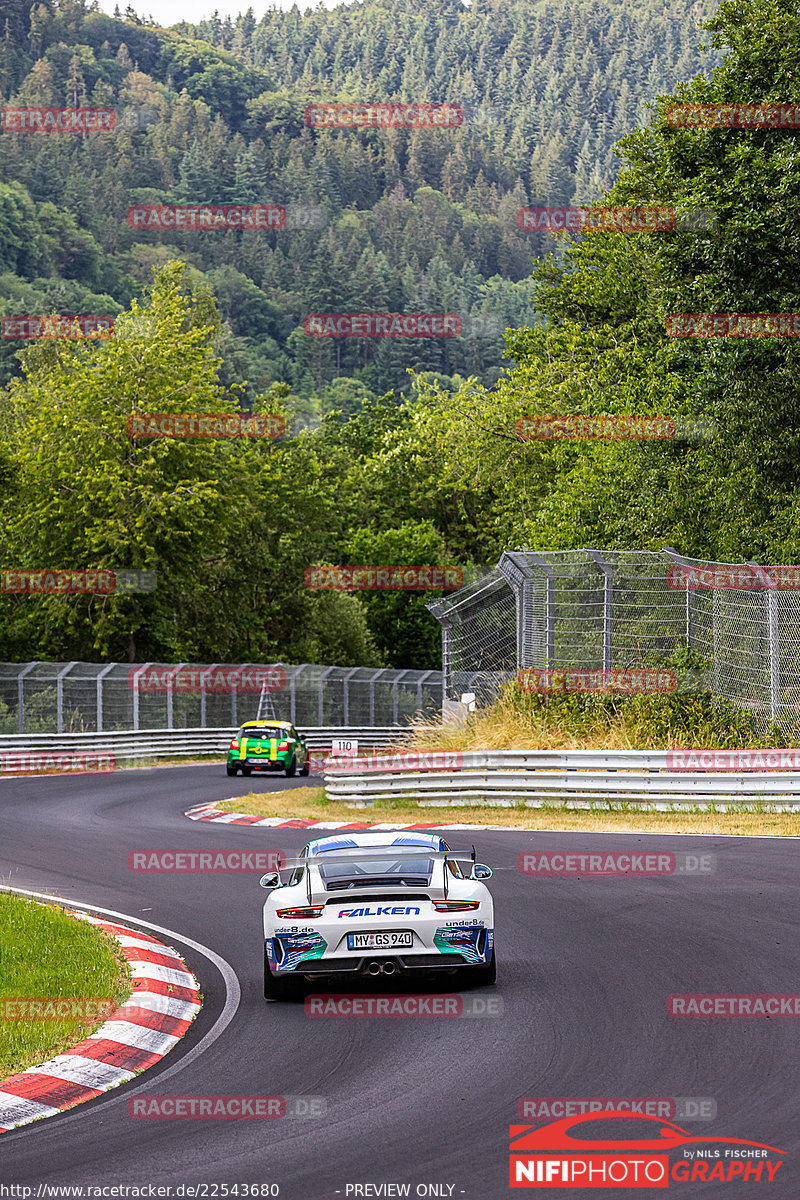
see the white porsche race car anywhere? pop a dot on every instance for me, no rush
(361, 904)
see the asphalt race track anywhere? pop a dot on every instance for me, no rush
(585, 966)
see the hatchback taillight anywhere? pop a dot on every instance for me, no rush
(283, 745)
(234, 744)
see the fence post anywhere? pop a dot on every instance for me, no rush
(170, 682)
(21, 696)
(447, 660)
(773, 633)
(346, 694)
(689, 582)
(550, 627)
(376, 675)
(608, 600)
(716, 635)
(321, 696)
(100, 679)
(517, 574)
(399, 677)
(136, 694)
(60, 695)
(774, 667)
(203, 709)
(420, 682)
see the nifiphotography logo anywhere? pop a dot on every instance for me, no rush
(624, 1149)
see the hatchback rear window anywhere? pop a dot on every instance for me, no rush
(264, 731)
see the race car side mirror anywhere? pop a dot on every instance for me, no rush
(481, 871)
(272, 880)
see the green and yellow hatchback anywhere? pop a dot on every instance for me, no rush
(268, 746)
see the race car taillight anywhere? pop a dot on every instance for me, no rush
(455, 905)
(314, 910)
(283, 745)
(234, 744)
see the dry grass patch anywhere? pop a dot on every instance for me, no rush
(601, 721)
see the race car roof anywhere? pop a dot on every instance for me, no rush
(265, 721)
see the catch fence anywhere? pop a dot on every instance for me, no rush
(81, 697)
(732, 629)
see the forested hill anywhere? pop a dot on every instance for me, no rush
(555, 84)
(413, 219)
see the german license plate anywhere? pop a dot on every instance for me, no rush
(388, 940)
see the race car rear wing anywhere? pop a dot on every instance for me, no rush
(364, 854)
(389, 853)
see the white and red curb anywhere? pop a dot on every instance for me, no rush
(210, 812)
(159, 1011)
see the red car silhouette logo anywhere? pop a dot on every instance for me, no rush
(657, 1135)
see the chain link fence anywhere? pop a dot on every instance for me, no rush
(479, 635)
(624, 610)
(80, 697)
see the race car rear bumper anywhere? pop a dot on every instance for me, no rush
(437, 948)
(260, 764)
(384, 965)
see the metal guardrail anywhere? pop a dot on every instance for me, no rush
(567, 777)
(167, 743)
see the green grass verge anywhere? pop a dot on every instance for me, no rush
(45, 953)
(313, 805)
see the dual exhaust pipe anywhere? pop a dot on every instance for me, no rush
(381, 968)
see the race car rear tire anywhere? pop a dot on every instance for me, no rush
(306, 767)
(231, 770)
(485, 976)
(276, 988)
(247, 770)
(292, 767)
